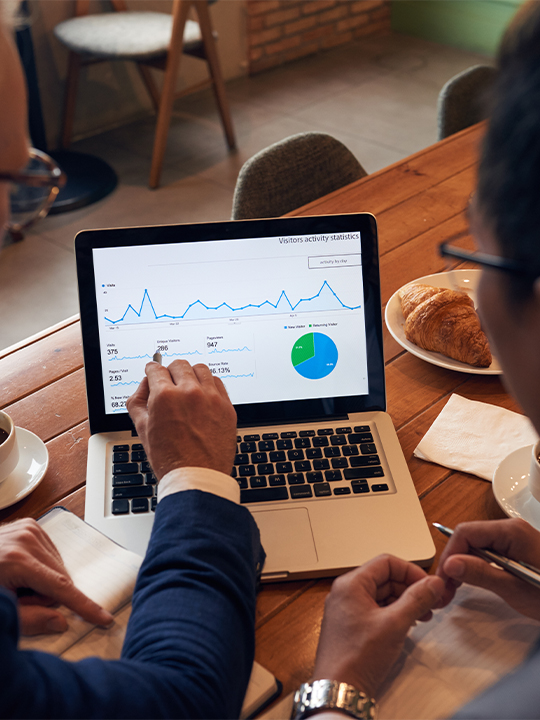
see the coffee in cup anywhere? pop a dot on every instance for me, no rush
(9, 449)
(534, 472)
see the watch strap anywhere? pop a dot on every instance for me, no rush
(332, 695)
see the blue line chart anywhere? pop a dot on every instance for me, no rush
(324, 299)
(233, 377)
(228, 350)
(146, 355)
(223, 377)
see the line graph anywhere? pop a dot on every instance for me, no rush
(115, 358)
(228, 377)
(228, 350)
(325, 299)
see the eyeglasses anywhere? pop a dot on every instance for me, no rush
(33, 191)
(448, 249)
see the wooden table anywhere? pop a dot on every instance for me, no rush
(418, 203)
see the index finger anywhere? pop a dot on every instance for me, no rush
(50, 583)
(159, 375)
(389, 575)
(390, 567)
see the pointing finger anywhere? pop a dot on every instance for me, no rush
(50, 583)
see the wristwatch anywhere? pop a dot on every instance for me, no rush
(332, 695)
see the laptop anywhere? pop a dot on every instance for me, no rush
(287, 312)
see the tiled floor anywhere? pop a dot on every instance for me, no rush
(378, 96)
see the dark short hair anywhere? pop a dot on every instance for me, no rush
(508, 190)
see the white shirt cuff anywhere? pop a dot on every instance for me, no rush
(198, 478)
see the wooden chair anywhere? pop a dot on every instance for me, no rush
(152, 40)
(291, 173)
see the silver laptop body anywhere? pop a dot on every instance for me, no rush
(287, 312)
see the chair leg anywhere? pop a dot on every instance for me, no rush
(146, 75)
(180, 13)
(212, 58)
(70, 97)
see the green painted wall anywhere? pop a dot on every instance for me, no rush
(475, 25)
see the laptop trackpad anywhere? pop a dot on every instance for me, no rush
(287, 538)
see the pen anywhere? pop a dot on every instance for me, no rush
(156, 357)
(516, 567)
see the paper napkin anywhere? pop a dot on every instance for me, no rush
(474, 437)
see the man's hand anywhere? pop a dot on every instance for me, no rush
(29, 559)
(514, 538)
(367, 616)
(184, 418)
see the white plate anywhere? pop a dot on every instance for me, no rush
(467, 281)
(33, 463)
(511, 487)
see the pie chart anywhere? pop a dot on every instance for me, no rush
(314, 355)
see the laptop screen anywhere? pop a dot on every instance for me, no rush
(284, 311)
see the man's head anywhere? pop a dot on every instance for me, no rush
(509, 173)
(506, 212)
(13, 123)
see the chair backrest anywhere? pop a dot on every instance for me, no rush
(462, 100)
(291, 173)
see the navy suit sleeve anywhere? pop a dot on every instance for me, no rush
(190, 640)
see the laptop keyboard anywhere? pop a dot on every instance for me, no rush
(134, 483)
(309, 463)
(273, 466)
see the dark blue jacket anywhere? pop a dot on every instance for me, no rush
(189, 645)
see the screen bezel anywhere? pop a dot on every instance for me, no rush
(248, 414)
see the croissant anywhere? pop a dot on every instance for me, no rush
(446, 322)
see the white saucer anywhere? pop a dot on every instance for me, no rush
(33, 463)
(467, 281)
(511, 487)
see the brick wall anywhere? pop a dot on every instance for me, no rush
(282, 30)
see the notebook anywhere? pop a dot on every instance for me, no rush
(287, 312)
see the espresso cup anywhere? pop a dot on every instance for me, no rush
(9, 449)
(534, 472)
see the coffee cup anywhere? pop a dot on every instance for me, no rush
(534, 472)
(9, 449)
